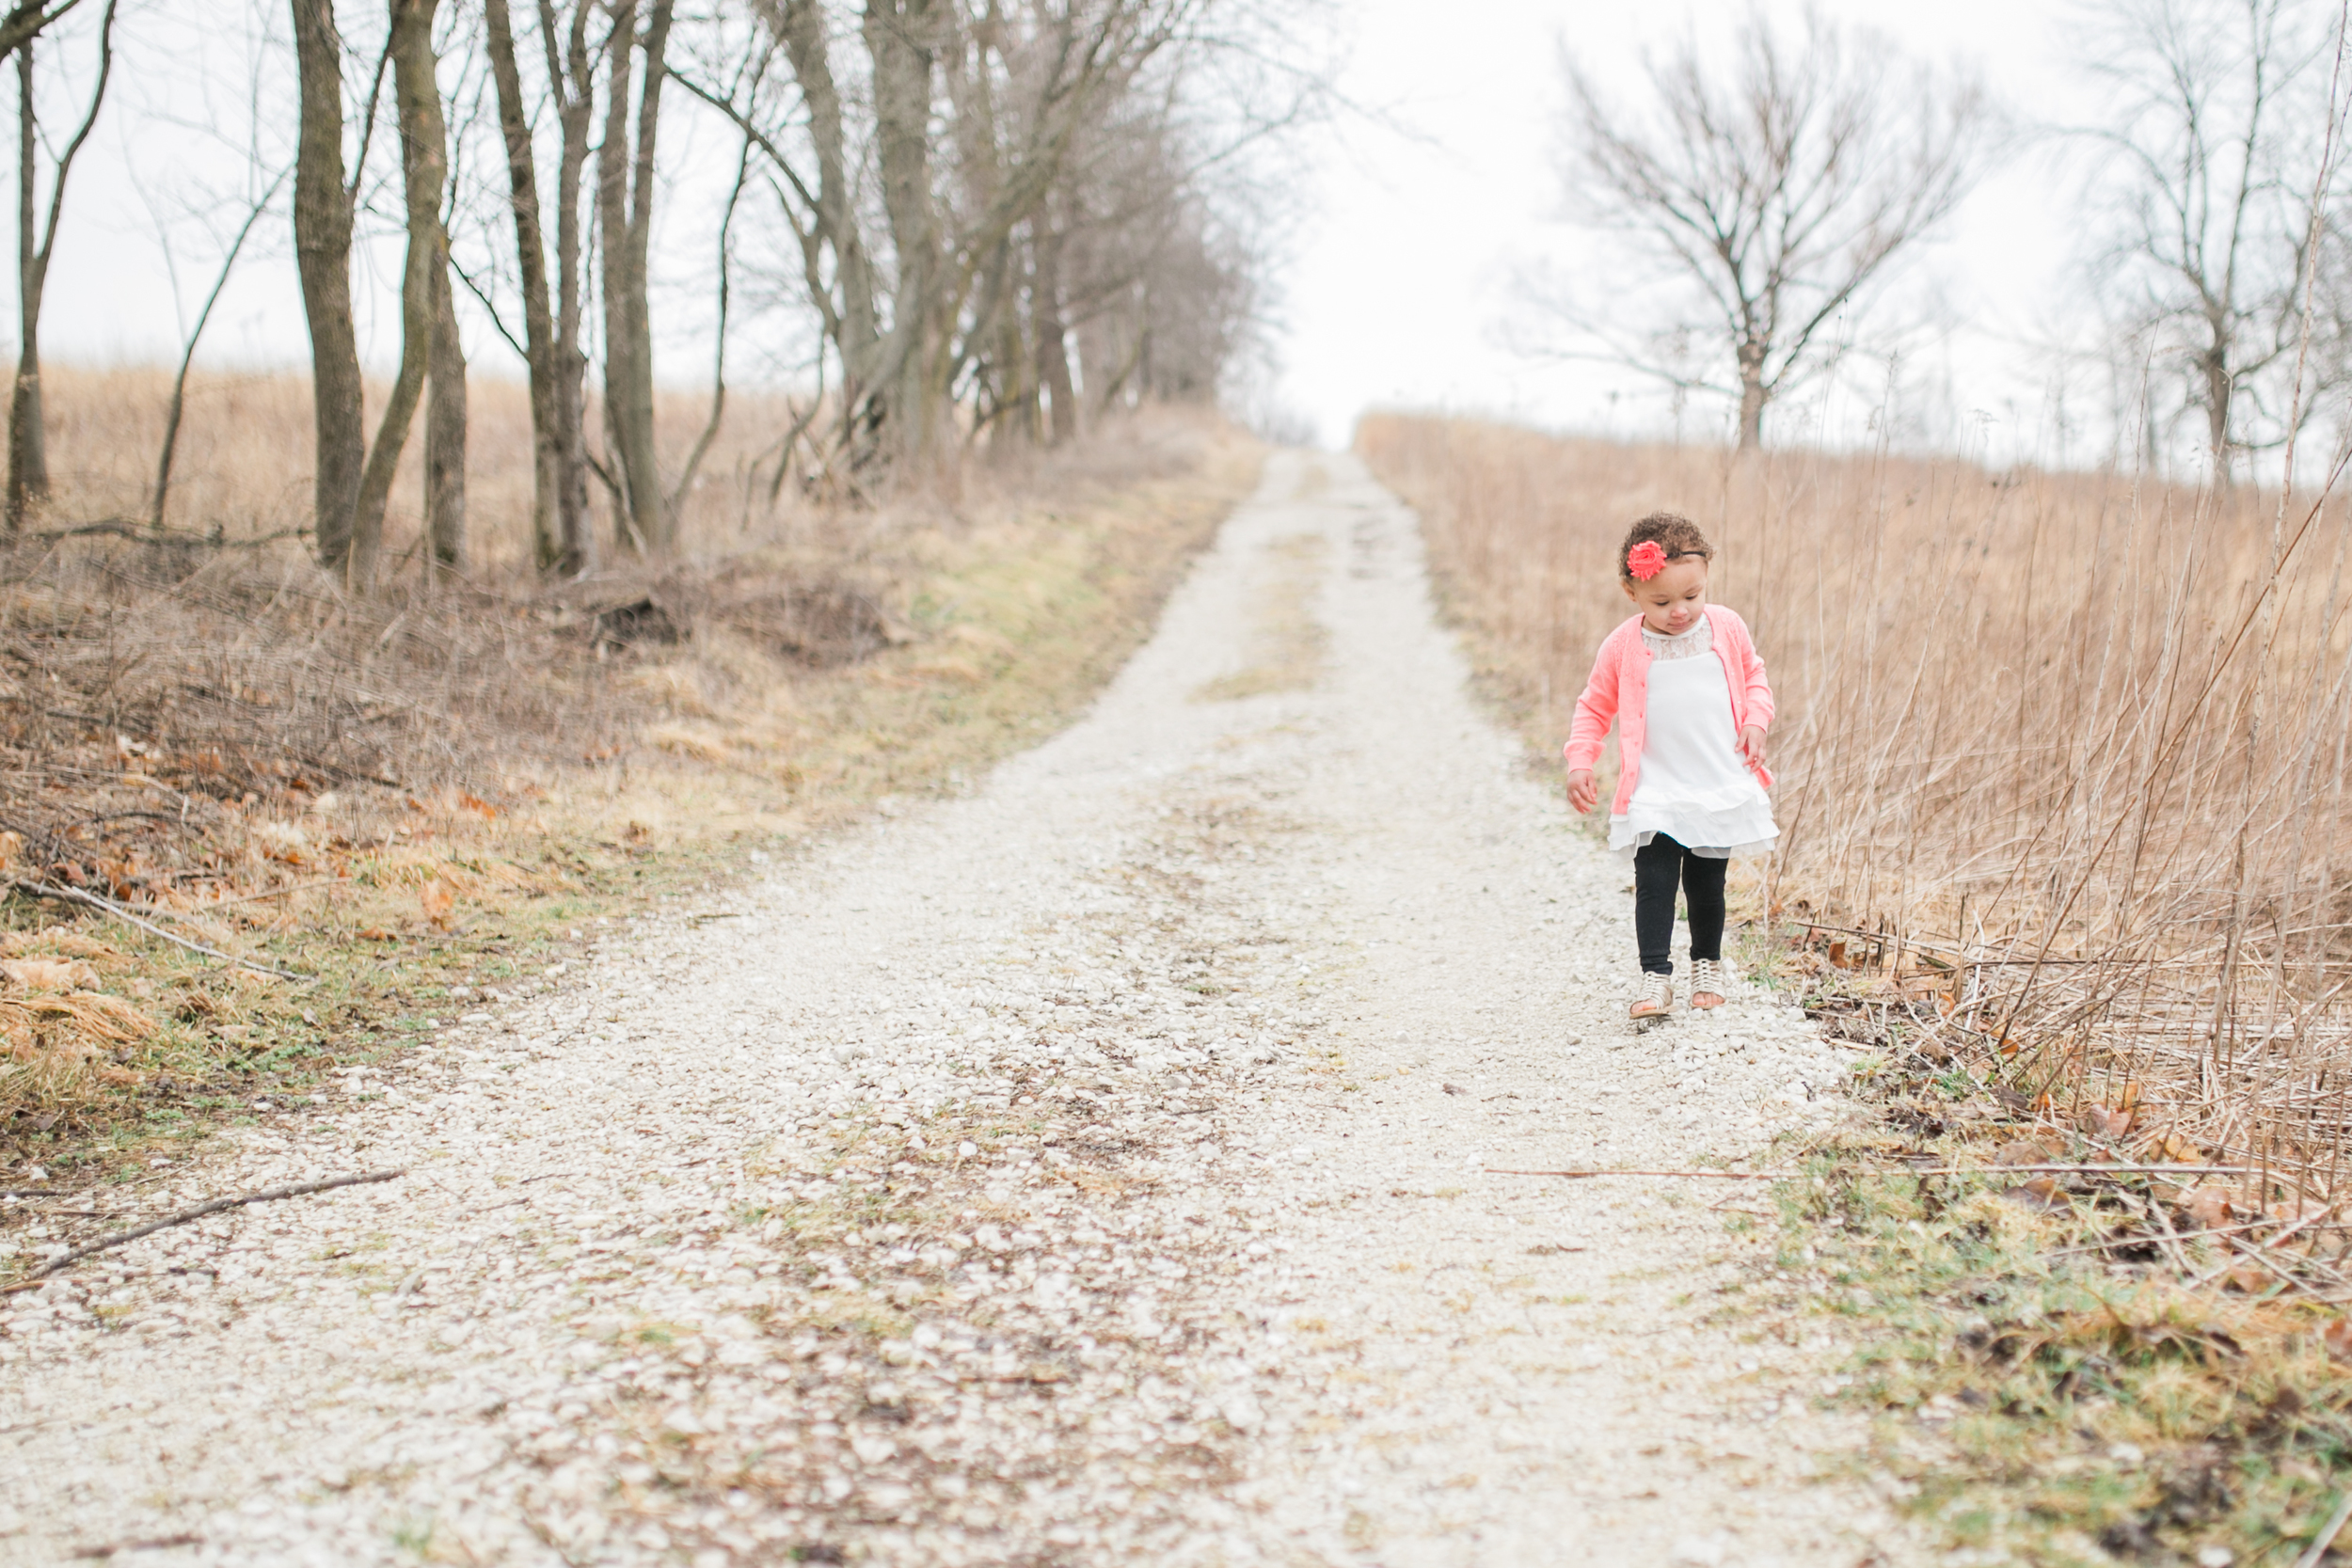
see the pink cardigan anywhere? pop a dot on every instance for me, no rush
(1619, 689)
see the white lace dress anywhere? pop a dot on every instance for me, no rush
(1693, 785)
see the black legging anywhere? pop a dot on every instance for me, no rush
(1658, 867)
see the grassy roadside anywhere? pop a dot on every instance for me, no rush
(406, 905)
(2065, 1367)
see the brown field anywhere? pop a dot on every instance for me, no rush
(243, 460)
(408, 798)
(2061, 778)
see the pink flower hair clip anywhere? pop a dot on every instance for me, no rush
(1645, 559)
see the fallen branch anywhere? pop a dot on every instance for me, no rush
(1720, 1175)
(145, 1544)
(1919, 1170)
(2328, 1534)
(76, 895)
(142, 534)
(300, 1189)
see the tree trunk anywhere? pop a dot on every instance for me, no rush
(28, 451)
(625, 197)
(2213, 367)
(578, 68)
(901, 37)
(28, 448)
(1752, 396)
(848, 302)
(425, 169)
(558, 462)
(322, 223)
(445, 430)
(522, 178)
(424, 127)
(1053, 340)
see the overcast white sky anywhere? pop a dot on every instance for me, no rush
(1402, 259)
(1407, 268)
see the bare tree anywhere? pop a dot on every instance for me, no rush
(625, 205)
(971, 115)
(2206, 173)
(176, 407)
(28, 448)
(1775, 192)
(423, 299)
(675, 501)
(561, 539)
(1159, 273)
(323, 204)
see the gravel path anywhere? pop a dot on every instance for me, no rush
(1083, 1171)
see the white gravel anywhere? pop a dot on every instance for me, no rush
(1084, 1171)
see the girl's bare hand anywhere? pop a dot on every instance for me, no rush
(1583, 794)
(1751, 745)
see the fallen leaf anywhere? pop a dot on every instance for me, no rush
(2250, 1279)
(2041, 1192)
(2106, 1122)
(2208, 1207)
(48, 974)
(2028, 1152)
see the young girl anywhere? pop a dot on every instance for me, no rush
(1688, 691)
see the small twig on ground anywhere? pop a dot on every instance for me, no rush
(1916, 1170)
(1723, 1175)
(2261, 1259)
(2114, 1242)
(2328, 1534)
(300, 1189)
(76, 895)
(147, 1543)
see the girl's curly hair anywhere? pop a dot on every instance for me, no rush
(1671, 533)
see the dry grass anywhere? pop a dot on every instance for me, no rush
(417, 798)
(243, 460)
(2060, 786)
(2068, 779)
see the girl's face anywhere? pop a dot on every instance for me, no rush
(1674, 599)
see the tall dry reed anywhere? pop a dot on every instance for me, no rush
(2067, 740)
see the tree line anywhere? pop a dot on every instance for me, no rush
(1774, 185)
(996, 218)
